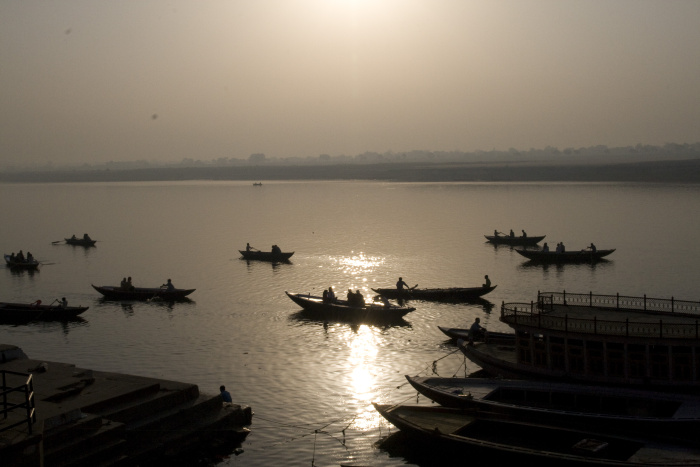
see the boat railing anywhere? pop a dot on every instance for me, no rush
(16, 399)
(534, 314)
(619, 302)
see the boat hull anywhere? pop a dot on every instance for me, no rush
(26, 312)
(455, 293)
(341, 311)
(583, 256)
(80, 242)
(143, 293)
(506, 240)
(266, 256)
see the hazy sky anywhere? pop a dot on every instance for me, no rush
(94, 81)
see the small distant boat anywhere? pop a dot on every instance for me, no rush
(257, 183)
(142, 293)
(573, 256)
(26, 312)
(508, 240)
(81, 241)
(14, 264)
(453, 293)
(570, 404)
(266, 255)
(343, 311)
(483, 435)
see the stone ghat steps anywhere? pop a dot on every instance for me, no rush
(91, 418)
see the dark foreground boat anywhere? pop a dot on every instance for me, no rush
(266, 256)
(582, 256)
(80, 241)
(143, 293)
(341, 310)
(477, 434)
(454, 293)
(593, 407)
(34, 264)
(26, 312)
(507, 240)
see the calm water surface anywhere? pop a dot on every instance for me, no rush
(310, 385)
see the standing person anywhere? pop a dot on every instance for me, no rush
(401, 284)
(225, 395)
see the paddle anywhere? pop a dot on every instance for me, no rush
(413, 287)
(57, 241)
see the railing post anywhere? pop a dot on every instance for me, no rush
(595, 325)
(617, 299)
(590, 298)
(671, 304)
(645, 302)
(4, 395)
(627, 327)
(661, 331)
(566, 324)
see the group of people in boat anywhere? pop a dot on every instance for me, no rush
(20, 258)
(561, 249)
(126, 284)
(275, 249)
(86, 237)
(355, 298)
(496, 233)
(329, 295)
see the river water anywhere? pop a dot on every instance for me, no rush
(311, 385)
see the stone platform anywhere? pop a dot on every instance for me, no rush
(92, 418)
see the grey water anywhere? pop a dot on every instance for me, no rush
(309, 383)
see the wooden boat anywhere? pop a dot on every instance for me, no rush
(342, 310)
(454, 293)
(266, 256)
(26, 312)
(34, 264)
(597, 339)
(581, 256)
(489, 336)
(508, 240)
(80, 242)
(142, 293)
(594, 407)
(476, 434)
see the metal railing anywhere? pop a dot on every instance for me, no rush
(620, 302)
(18, 398)
(536, 314)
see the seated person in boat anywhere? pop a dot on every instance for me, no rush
(87, 238)
(13, 258)
(545, 247)
(325, 296)
(476, 331)
(276, 250)
(524, 234)
(128, 284)
(74, 237)
(123, 285)
(400, 284)
(495, 233)
(488, 281)
(331, 294)
(20, 257)
(511, 233)
(168, 286)
(30, 257)
(63, 303)
(248, 247)
(592, 248)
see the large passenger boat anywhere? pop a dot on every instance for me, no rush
(601, 339)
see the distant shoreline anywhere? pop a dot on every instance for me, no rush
(678, 171)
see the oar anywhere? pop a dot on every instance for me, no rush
(57, 241)
(413, 287)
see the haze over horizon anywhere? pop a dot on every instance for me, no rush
(92, 82)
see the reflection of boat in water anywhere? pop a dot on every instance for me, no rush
(569, 404)
(582, 256)
(597, 339)
(341, 310)
(448, 294)
(508, 240)
(477, 434)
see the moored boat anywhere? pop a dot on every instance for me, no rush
(574, 256)
(508, 240)
(489, 336)
(26, 312)
(14, 264)
(142, 293)
(622, 409)
(266, 255)
(476, 434)
(344, 311)
(597, 339)
(453, 293)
